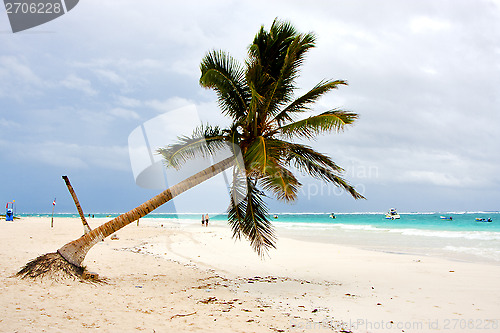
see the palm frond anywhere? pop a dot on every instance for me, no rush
(238, 205)
(269, 47)
(222, 73)
(328, 121)
(336, 179)
(254, 225)
(278, 54)
(262, 153)
(281, 182)
(281, 90)
(252, 120)
(264, 160)
(302, 103)
(300, 156)
(317, 165)
(205, 141)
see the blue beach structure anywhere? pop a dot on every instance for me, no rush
(9, 213)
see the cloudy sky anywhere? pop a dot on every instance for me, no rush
(423, 75)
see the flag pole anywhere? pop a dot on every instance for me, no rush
(53, 206)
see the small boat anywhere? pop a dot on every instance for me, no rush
(479, 219)
(332, 216)
(275, 216)
(446, 218)
(392, 215)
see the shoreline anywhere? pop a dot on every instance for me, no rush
(381, 286)
(394, 242)
(314, 286)
(454, 245)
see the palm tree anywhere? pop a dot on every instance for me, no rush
(266, 118)
(259, 98)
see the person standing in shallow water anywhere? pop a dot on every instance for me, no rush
(202, 220)
(206, 220)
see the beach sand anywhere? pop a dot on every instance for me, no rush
(182, 278)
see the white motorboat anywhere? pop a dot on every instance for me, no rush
(392, 215)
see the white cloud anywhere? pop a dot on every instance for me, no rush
(124, 113)
(423, 75)
(434, 178)
(76, 83)
(6, 123)
(424, 24)
(122, 65)
(169, 104)
(18, 79)
(12, 68)
(71, 155)
(110, 76)
(128, 102)
(429, 70)
(371, 163)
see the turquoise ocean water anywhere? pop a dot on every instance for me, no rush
(462, 238)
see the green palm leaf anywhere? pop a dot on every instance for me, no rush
(264, 159)
(281, 91)
(205, 141)
(302, 104)
(326, 174)
(318, 166)
(275, 59)
(301, 156)
(237, 207)
(281, 182)
(325, 122)
(250, 218)
(223, 74)
(261, 155)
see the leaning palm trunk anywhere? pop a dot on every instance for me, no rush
(67, 261)
(86, 227)
(75, 251)
(259, 97)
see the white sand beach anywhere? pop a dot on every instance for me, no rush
(179, 278)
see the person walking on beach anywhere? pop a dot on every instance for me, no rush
(206, 220)
(202, 220)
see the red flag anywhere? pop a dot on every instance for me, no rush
(54, 202)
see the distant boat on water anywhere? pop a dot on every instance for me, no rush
(480, 219)
(392, 215)
(446, 218)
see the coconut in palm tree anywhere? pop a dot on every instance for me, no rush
(267, 120)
